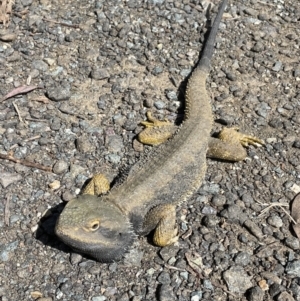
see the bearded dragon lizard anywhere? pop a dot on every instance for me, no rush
(104, 224)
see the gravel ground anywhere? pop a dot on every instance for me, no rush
(99, 66)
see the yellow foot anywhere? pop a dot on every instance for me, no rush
(97, 185)
(162, 219)
(156, 131)
(163, 240)
(233, 136)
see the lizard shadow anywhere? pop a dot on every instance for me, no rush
(46, 226)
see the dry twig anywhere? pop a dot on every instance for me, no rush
(61, 23)
(174, 268)
(10, 157)
(222, 287)
(42, 99)
(26, 140)
(277, 204)
(18, 112)
(7, 211)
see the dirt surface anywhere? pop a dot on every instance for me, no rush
(100, 65)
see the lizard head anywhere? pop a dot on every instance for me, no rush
(95, 227)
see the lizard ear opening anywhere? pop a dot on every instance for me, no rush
(92, 225)
(95, 225)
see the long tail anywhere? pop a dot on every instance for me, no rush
(208, 50)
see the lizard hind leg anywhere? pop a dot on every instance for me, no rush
(97, 185)
(156, 131)
(162, 219)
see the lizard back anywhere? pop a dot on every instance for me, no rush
(173, 171)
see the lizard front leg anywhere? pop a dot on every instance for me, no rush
(230, 145)
(156, 131)
(162, 219)
(97, 185)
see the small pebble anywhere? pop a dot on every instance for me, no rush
(237, 280)
(293, 268)
(60, 167)
(275, 221)
(277, 66)
(36, 294)
(9, 37)
(263, 285)
(99, 298)
(54, 185)
(8, 178)
(292, 242)
(255, 294)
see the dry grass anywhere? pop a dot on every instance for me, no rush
(5, 10)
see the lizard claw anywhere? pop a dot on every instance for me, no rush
(251, 140)
(232, 135)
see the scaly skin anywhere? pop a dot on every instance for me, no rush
(105, 226)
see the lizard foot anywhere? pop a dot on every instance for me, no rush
(97, 185)
(232, 135)
(166, 242)
(162, 219)
(230, 145)
(156, 131)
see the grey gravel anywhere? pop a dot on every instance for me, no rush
(99, 298)
(292, 242)
(285, 296)
(134, 257)
(242, 259)
(275, 289)
(277, 66)
(9, 178)
(275, 221)
(167, 252)
(159, 105)
(293, 268)
(100, 65)
(60, 167)
(255, 294)
(237, 280)
(59, 93)
(40, 65)
(164, 278)
(99, 73)
(165, 293)
(6, 251)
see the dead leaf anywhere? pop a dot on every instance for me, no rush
(295, 212)
(19, 90)
(195, 262)
(42, 99)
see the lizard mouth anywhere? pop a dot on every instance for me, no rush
(108, 247)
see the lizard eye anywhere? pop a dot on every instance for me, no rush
(95, 225)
